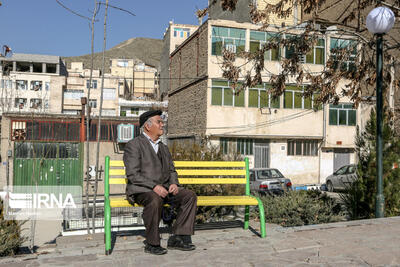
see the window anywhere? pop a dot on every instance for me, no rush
(244, 146)
(21, 84)
(181, 32)
(231, 39)
(260, 98)
(36, 85)
(51, 68)
(94, 84)
(122, 63)
(6, 84)
(293, 98)
(289, 49)
(135, 111)
(93, 103)
(35, 103)
(122, 113)
(259, 39)
(222, 95)
(347, 63)
(342, 115)
(73, 94)
(224, 145)
(317, 53)
(302, 148)
(20, 103)
(37, 67)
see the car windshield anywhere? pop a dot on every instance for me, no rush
(268, 174)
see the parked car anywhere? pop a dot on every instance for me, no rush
(341, 178)
(268, 181)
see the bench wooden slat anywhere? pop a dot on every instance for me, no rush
(221, 164)
(186, 172)
(212, 180)
(206, 180)
(117, 172)
(117, 163)
(191, 164)
(201, 201)
(118, 181)
(210, 172)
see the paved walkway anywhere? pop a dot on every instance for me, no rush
(358, 243)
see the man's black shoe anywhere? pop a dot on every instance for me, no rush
(156, 250)
(181, 243)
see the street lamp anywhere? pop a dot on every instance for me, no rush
(379, 21)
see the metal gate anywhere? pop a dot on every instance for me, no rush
(341, 157)
(47, 164)
(261, 153)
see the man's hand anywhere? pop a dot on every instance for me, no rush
(173, 188)
(160, 190)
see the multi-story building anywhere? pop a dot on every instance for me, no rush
(174, 35)
(78, 82)
(304, 140)
(135, 79)
(31, 83)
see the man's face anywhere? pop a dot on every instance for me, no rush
(157, 126)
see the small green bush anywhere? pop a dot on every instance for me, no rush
(204, 152)
(297, 208)
(10, 235)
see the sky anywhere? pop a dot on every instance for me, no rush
(45, 27)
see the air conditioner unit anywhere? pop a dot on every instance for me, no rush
(126, 132)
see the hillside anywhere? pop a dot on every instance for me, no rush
(145, 49)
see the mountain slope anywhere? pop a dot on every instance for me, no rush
(146, 50)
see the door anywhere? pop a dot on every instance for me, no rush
(261, 154)
(47, 164)
(341, 158)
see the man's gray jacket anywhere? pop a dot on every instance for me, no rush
(143, 166)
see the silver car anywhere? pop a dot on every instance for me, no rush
(268, 181)
(341, 178)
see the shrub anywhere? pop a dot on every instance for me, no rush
(193, 151)
(10, 235)
(296, 208)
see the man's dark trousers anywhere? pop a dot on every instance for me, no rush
(186, 203)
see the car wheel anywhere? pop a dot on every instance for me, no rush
(329, 185)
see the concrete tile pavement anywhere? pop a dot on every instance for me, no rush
(373, 242)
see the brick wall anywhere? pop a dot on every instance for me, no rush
(187, 102)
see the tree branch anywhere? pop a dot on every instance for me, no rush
(72, 11)
(119, 8)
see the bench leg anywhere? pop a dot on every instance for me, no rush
(107, 226)
(262, 218)
(246, 217)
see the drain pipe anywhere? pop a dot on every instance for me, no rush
(323, 141)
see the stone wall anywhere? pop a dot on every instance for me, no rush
(187, 107)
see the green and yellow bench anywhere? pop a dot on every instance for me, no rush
(189, 172)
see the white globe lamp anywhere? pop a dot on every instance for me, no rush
(380, 20)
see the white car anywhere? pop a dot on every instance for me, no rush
(269, 181)
(342, 178)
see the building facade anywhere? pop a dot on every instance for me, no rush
(306, 141)
(174, 35)
(31, 83)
